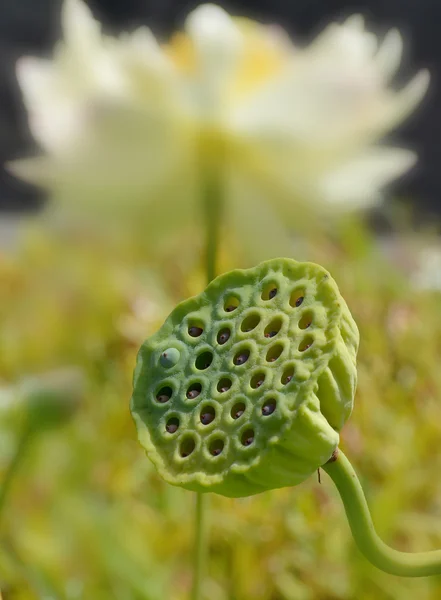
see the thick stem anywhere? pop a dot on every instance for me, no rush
(392, 561)
(11, 470)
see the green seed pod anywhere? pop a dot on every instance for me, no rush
(258, 378)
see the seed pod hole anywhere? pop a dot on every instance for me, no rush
(172, 425)
(164, 395)
(224, 385)
(305, 321)
(241, 357)
(195, 331)
(257, 380)
(296, 298)
(247, 437)
(208, 415)
(231, 303)
(274, 352)
(273, 328)
(306, 343)
(216, 447)
(287, 376)
(238, 410)
(204, 360)
(269, 291)
(193, 391)
(250, 323)
(187, 446)
(223, 336)
(269, 407)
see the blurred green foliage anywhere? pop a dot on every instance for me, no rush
(88, 516)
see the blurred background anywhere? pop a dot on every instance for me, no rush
(85, 514)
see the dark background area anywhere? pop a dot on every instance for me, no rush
(33, 26)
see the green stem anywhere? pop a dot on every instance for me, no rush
(392, 561)
(212, 213)
(11, 470)
(212, 210)
(201, 544)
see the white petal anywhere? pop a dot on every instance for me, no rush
(53, 118)
(356, 22)
(411, 95)
(79, 26)
(356, 183)
(218, 44)
(389, 54)
(347, 43)
(213, 31)
(143, 40)
(394, 107)
(142, 50)
(34, 76)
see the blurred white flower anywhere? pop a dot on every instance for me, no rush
(128, 120)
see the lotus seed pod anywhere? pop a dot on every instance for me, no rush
(262, 379)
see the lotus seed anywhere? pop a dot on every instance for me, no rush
(257, 380)
(223, 336)
(172, 425)
(248, 437)
(195, 331)
(269, 407)
(274, 353)
(241, 358)
(170, 358)
(305, 321)
(238, 410)
(164, 395)
(216, 447)
(287, 376)
(194, 391)
(187, 447)
(305, 344)
(224, 385)
(207, 415)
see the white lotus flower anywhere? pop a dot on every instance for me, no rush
(273, 124)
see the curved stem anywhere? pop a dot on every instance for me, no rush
(12, 468)
(387, 559)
